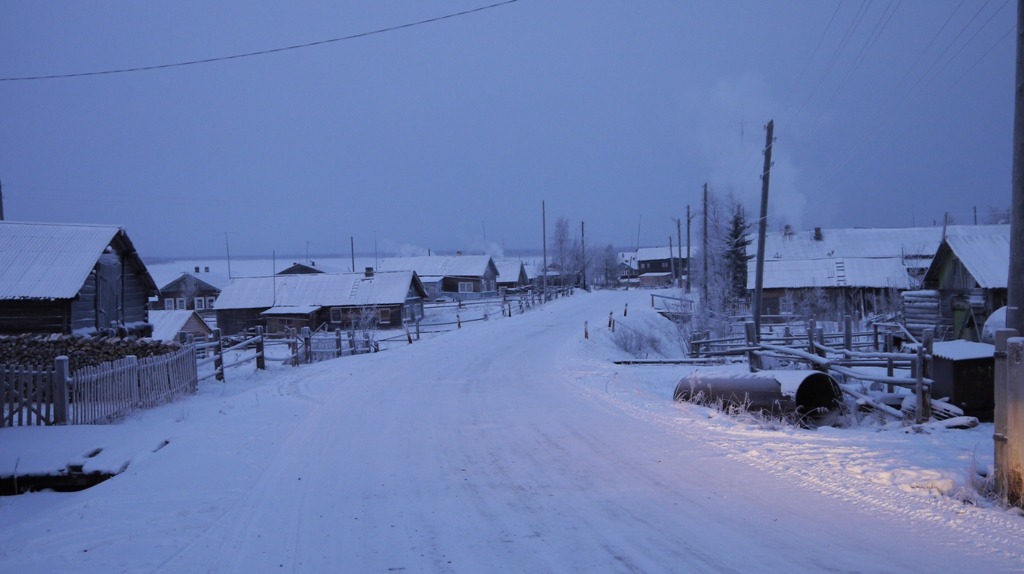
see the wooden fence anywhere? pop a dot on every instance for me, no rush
(94, 395)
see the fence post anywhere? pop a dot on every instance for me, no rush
(337, 343)
(307, 345)
(417, 329)
(293, 346)
(408, 335)
(1014, 467)
(60, 390)
(753, 360)
(923, 404)
(218, 357)
(458, 321)
(1001, 432)
(625, 310)
(848, 332)
(261, 360)
(586, 329)
(874, 329)
(810, 337)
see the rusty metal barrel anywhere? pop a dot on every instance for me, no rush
(814, 396)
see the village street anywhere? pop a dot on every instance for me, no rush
(493, 448)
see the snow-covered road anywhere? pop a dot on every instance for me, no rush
(495, 448)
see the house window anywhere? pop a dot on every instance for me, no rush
(385, 316)
(465, 287)
(181, 303)
(209, 302)
(169, 304)
(336, 315)
(200, 303)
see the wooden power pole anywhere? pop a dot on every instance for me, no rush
(1009, 384)
(762, 228)
(704, 276)
(688, 218)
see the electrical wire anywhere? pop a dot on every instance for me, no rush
(258, 52)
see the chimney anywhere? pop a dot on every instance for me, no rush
(368, 272)
(817, 234)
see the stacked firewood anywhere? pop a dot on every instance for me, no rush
(40, 351)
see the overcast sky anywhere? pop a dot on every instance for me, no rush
(448, 135)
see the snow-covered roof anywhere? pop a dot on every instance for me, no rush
(840, 272)
(439, 265)
(292, 310)
(877, 258)
(912, 242)
(508, 269)
(984, 250)
(167, 324)
(321, 290)
(215, 280)
(51, 260)
(963, 350)
(658, 253)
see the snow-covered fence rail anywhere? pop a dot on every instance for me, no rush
(216, 356)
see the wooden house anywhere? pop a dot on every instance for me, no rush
(965, 283)
(58, 278)
(176, 324)
(459, 276)
(321, 301)
(659, 266)
(193, 291)
(511, 274)
(829, 273)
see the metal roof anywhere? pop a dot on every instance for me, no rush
(440, 265)
(51, 260)
(320, 290)
(984, 250)
(859, 257)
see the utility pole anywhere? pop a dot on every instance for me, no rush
(688, 218)
(704, 276)
(762, 227)
(1009, 390)
(544, 240)
(671, 260)
(1, 201)
(677, 277)
(352, 250)
(583, 254)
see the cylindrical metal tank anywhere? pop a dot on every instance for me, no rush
(813, 395)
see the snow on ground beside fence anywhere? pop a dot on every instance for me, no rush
(513, 445)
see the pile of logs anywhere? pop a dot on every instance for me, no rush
(921, 311)
(40, 351)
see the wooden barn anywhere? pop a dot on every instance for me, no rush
(321, 301)
(459, 276)
(59, 278)
(829, 273)
(659, 266)
(965, 283)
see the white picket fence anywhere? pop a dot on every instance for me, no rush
(94, 395)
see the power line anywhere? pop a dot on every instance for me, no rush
(259, 52)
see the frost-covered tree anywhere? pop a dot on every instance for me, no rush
(736, 257)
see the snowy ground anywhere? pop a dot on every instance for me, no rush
(510, 445)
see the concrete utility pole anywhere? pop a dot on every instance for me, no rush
(1009, 371)
(762, 227)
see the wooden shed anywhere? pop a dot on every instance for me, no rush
(968, 277)
(59, 278)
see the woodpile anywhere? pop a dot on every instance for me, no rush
(921, 311)
(40, 351)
